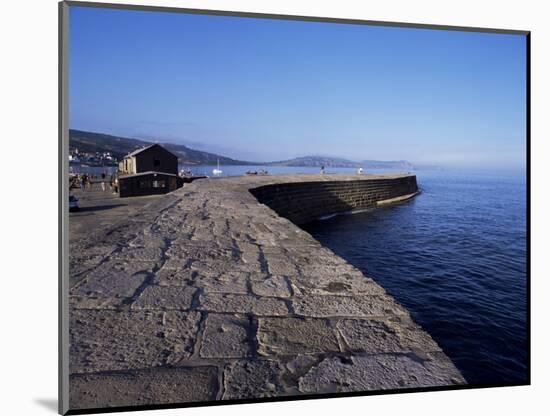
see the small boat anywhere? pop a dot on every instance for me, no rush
(217, 171)
(254, 173)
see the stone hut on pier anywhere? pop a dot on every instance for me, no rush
(148, 171)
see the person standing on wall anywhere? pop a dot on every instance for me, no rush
(83, 182)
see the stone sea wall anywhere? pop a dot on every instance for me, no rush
(207, 294)
(302, 202)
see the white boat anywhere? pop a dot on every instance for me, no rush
(217, 171)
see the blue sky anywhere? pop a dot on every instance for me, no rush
(262, 90)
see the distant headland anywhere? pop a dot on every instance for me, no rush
(105, 150)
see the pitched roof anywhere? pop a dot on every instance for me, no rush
(135, 152)
(143, 149)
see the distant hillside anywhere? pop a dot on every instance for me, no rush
(317, 161)
(394, 164)
(87, 142)
(119, 147)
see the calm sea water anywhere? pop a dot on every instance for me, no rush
(455, 257)
(227, 170)
(273, 170)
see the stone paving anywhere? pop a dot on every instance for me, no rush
(206, 294)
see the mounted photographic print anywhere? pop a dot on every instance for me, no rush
(259, 207)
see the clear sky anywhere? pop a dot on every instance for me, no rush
(263, 90)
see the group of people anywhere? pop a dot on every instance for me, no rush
(85, 181)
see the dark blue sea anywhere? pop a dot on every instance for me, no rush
(455, 256)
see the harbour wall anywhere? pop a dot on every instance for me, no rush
(303, 202)
(206, 294)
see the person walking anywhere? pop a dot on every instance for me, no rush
(103, 181)
(85, 181)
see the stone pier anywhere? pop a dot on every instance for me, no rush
(213, 292)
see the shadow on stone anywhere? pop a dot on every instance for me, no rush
(100, 207)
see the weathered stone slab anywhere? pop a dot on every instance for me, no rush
(289, 336)
(215, 268)
(143, 387)
(202, 253)
(242, 233)
(253, 379)
(176, 261)
(165, 298)
(226, 336)
(357, 306)
(82, 261)
(226, 282)
(117, 234)
(150, 238)
(250, 253)
(261, 306)
(273, 252)
(281, 266)
(93, 302)
(370, 336)
(182, 253)
(302, 248)
(77, 270)
(329, 267)
(265, 239)
(183, 244)
(275, 286)
(174, 277)
(337, 284)
(379, 336)
(121, 340)
(173, 230)
(379, 372)
(299, 365)
(147, 254)
(114, 279)
(90, 253)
